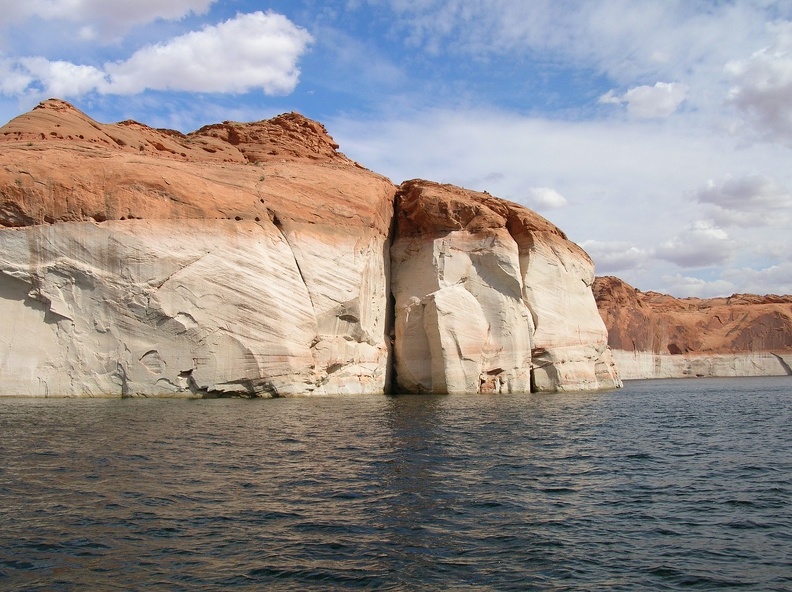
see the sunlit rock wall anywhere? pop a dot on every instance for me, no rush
(641, 365)
(655, 335)
(257, 260)
(246, 259)
(153, 308)
(490, 297)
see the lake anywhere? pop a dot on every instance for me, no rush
(663, 485)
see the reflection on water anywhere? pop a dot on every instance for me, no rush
(661, 485)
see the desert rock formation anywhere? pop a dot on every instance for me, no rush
(654, 335)
(255, 259)
(491, 297)
(239, 259)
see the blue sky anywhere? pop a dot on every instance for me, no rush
(656, 134)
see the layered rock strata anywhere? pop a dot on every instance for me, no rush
(658, 336)
(255, 260)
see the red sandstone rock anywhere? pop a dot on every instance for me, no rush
(59, 165)
(662, 324)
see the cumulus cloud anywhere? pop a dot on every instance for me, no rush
(660, 100)
(546, 198)
(613, 256)
(110, 17)
(13, 79)
(57, 78)
(752, 200)
(257, 50)
(762, 85)
(700, 245)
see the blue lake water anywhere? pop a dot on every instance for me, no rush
(663, 485)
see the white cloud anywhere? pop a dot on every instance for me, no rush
(686, 286)
(660, 100)
(762, 85)
(14, 80)
(612, 256)
(60, 78)
(753, 200)
(257, 50)
(776, 279)
(546, 198)
(701, 244)
(109, 17)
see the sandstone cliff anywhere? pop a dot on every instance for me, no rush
(491, 297)
(658, 336)
(237, 259)
(255, 259)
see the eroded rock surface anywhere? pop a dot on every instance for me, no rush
(654, 335)
(142, 261)
(257, 260)
(491, 297)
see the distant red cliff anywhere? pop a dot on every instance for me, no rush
(656, 335)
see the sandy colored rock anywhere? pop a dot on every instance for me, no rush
(243, 258)
(500, 285)
(656, 335)
(256, 260)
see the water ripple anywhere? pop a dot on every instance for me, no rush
(663, 485)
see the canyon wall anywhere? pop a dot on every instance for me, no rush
(658, 336)
(491, 297)
(241, 259)
(257, 260)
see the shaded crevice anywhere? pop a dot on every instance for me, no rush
(524, 240)
(783, 363)
(391, 383)
(252, 388)
(276, 222)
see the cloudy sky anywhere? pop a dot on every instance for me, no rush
(656, 134)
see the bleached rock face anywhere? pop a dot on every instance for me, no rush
(571, 350)
(180, 268)
(461, 325)
(256, 260)
(641, 365)
(488, 298)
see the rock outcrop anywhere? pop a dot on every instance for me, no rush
(241, 259)
(491, 297)
(658, 336)
(255, 259)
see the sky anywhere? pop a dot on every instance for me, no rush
(655, 134)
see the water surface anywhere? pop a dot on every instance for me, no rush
(665, 485)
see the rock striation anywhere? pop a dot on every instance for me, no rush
(257, 260)
(654, 335)
(241, 259)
